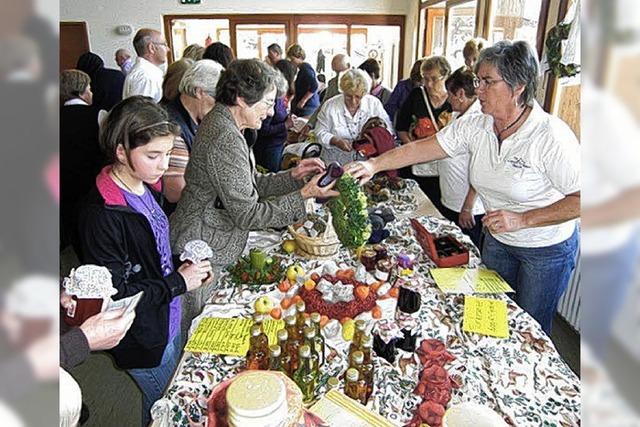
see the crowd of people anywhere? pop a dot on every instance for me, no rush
(151, 161)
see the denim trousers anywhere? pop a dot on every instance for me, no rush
(153, 381)
(605, 281)
(474, 233)
(538, 275)
(269, 157)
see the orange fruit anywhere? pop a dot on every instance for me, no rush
(324, 320)
(286, 303)
(394, 292)
(276, 313)
(309, 284)
(284, 286)
(362, 292)
(376, 312)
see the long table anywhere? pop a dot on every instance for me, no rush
(522, 377)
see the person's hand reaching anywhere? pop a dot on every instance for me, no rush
(311, 189)
(308, 167)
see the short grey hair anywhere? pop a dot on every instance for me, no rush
(141, 40)
(355, 81)
(203, 74)
(516, 63)
(282, 86)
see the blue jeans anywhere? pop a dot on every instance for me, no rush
(153, 381)
(604, 283)
(269, 157)
(538, 275)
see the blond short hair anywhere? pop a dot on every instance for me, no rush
(73, 83)
(296, 51)
(355, 82)
(193, 51)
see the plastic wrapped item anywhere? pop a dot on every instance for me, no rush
(90, 287)
(196, 251)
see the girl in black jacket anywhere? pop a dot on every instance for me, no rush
(123, 228)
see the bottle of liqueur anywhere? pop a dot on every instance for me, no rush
(306, 376)
(320, 343)
(356, 361)
(285, 358)
(353, 386)
(293, 343)
(275, 358)
(367, 363)
(258, 354)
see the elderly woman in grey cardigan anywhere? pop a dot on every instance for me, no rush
(225, 198)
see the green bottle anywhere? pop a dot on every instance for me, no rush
(310, 340)
(306, 376)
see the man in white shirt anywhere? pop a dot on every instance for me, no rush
(146, 75)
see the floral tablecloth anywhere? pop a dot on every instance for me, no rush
(523, 377)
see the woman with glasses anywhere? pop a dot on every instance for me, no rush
(426, 111)
(197, 96)
(525, 166)
(225, 198)
(342, 117)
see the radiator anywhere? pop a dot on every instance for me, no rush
(569, 305)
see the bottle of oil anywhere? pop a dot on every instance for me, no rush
(275, 358)
(306, 376)
(367, 363)
(310, 340)
(320, 343)
(285, 358)
(258, 354)
(294, 341)
(356, 342)
(301, 318)
(353, 386)
(333, 383)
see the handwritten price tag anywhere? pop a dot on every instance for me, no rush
(485, 316)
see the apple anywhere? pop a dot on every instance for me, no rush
(263, 305)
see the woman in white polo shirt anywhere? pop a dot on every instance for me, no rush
(460, 203)
(525, 166)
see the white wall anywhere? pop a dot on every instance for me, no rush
(103, 16)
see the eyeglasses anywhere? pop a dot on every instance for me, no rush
(486, 82)
(161, 44)
(268, 104)
(431, 79)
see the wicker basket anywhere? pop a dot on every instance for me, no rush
(322, 247)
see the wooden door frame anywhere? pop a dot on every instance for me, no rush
(291, 22)
(428, 31)
(83, 25)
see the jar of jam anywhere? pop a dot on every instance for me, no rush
(381, 252)
(383, 269)
(408, 301)
(368, 258)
